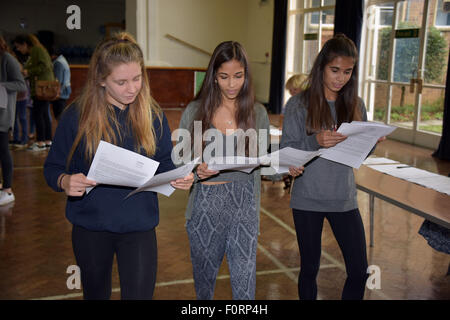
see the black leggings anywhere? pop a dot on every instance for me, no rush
(349, 232)
(136, 260)
(6, 160)
(42, 120)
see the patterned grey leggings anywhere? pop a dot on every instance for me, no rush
(224, 221)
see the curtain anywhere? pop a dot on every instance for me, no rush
(443, 151)
(278, 56)
(348, 19)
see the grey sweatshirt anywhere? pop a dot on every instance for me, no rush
(261, 121)
(11, 78)
(324, 186)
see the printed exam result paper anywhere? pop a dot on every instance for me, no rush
(361, 138)
(121, 167)
(287, 157)
(161, 182)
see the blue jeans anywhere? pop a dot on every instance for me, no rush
(224, 221)
(21, 117)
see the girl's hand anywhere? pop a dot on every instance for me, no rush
(295, 172)
(381, 139)
(75, 185)
(203, 172)
(328, 138)
(183, 183)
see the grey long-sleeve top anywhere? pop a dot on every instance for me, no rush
(262, 122)
(11, 78)
(324, 186)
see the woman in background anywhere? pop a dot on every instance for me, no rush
(38, 67)
(12, 81)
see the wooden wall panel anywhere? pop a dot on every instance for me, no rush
(171, 87)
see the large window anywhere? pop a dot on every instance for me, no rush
(310, 25)
(404, 61)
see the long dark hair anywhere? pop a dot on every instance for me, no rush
(210, 96)
(319, 115)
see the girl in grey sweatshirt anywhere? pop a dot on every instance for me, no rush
(326, 189)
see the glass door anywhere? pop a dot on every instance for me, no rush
(404, 68)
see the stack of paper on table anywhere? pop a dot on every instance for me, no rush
(421, 177)
(378, 160)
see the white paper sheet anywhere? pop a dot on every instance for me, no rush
(161, 182)
(238, 163)
(361, 138)
(422, 177)
(379, 160)
(114, 165)
(287, 157)
(3, 97)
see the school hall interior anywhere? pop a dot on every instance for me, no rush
(282, 38)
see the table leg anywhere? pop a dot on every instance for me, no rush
(371, 211)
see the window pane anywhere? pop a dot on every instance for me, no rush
(442, 18)
(386, 13)
(378, 98)
(402, 108)
(432, 110)
(294, 44)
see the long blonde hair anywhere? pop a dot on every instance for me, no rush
(97, 116)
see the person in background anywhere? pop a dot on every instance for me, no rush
(62, 73)
(20, 132)
(115, 106)
(38, 67)
(12, 81)
(294, 85)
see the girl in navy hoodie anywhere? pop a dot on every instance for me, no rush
(115, 106)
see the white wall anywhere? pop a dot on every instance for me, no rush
(204, 24)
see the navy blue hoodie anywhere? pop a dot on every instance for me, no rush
(104, 208)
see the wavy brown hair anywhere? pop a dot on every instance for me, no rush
(210, 95)
(347, 109)
(97, 116)
(5, 48)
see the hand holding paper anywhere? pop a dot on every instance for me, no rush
(361, 138)
(114, 165)
(76, 184)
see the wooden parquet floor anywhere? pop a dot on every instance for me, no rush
(36, 249)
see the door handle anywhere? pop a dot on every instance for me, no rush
(419, 85)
